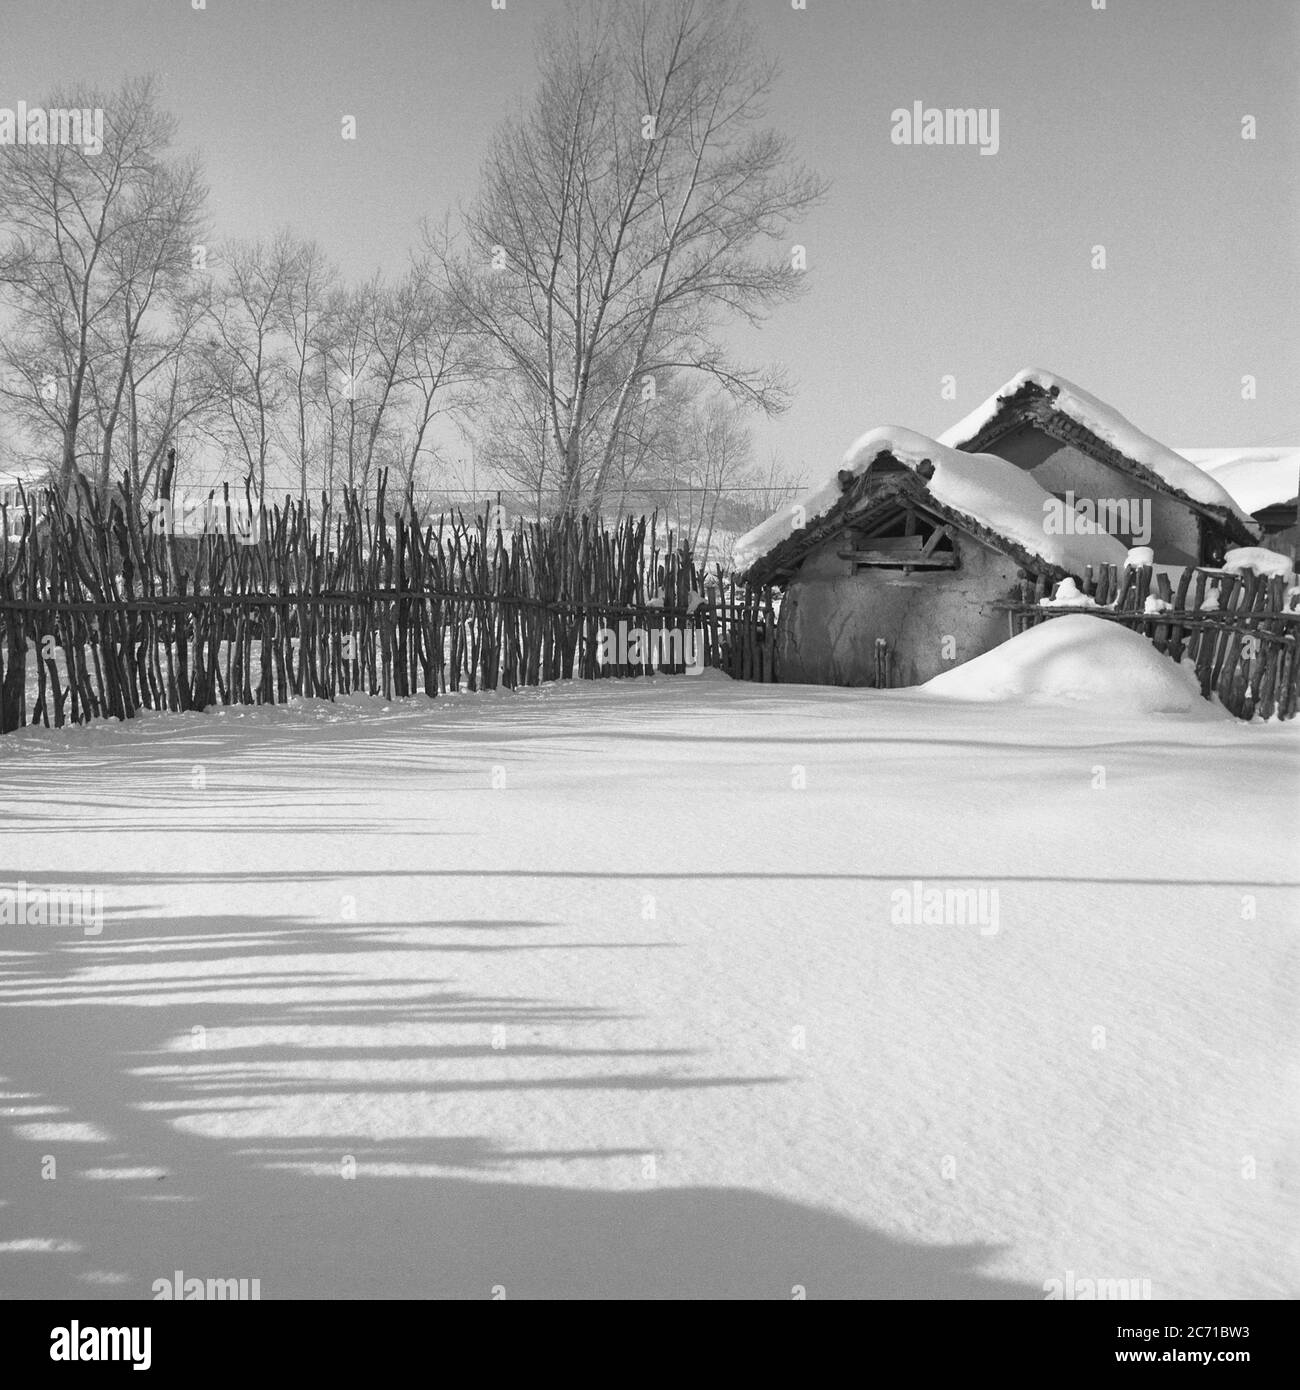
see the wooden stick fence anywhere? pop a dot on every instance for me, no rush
(104, 610)
(1239, 631)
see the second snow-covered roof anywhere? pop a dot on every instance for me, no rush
(1257, 477)
(1108, 425)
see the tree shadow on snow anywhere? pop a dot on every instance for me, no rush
(98, 1074)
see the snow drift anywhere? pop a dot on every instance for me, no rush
(1077, 660)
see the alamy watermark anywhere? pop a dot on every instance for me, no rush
(39, 125)
(660, 646)
(922, 905)
(76, 1343)
(1090, 516)
(948, 125)
(192, 1289)
(184, 515)
(29, 906)
(1077, 1287)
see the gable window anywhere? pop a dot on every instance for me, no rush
(906, 541)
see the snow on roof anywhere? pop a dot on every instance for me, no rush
(1256, 477)
(996, 494)
(1111, 427)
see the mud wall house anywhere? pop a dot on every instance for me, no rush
(894, 570)
(1071, 443)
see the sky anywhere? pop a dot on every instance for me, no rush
(1118, 127)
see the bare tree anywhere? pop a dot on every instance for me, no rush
(512, 440)
(441, 369)
(752, 497)
(348, 344)
(397, 357)
(635, 205)
(302, 315)
(246, 346)
(689, 452)
(169, 385)
(395, 318)
(720, 456)
(98, 240)
(153, 268)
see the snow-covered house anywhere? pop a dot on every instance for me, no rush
(898, 562)
(1071, 443)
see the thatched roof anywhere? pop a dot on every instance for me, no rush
(985, 497)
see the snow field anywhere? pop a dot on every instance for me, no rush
(645, 1018)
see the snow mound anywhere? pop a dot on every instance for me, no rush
(1257, 558)
(1077, 660)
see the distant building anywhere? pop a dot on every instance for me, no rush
(17, 479)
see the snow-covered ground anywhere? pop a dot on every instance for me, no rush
(634, 988)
